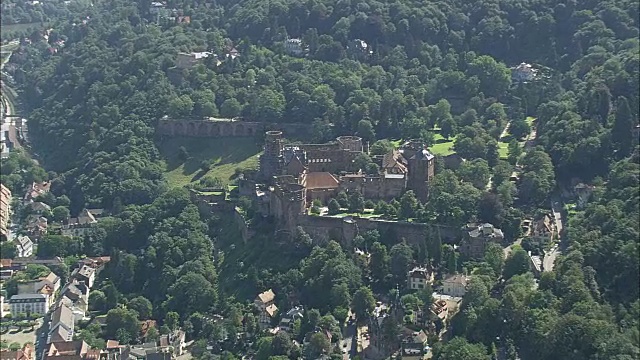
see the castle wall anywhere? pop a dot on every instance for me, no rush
(209, 128)
(374, 187)
(324, 228)
(225, 127)
(242, 224)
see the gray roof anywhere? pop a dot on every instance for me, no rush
(27, 296)
(84, 271)
(62, 316)
(60, 333)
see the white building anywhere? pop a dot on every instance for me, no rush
(24, 247)
(85, 274)
(286, 323)
(418, 278)
(29, 304)
(2, 312)
(455, 285)
(294, 47)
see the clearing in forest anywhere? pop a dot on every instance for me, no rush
(224, 155)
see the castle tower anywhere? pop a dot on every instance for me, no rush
(421, 170)
(351, 143)
(270, 159)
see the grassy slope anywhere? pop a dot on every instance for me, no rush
(442, 146)
(227, 155)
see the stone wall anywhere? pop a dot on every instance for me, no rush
(209, 128)
(324, 228)
(214, 127)
(243, 225)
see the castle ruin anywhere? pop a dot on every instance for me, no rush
(299, 174)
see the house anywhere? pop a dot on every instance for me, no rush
(147, 351)
(96, 263)
(36, 226)
(189, 60)
(6, 274)
(85, 274)
(80, 225)
(523, 73)
(147, 325)
(62, 324)
(168, 347)
(75, 295)
(24, 247)
(439, 309)
(52, 280)
(29, 304)
(78, 308)
(415, 343)
(232, 53)
(266, 306)
(535, 263)
(358, 47)
(477, 237)
(174, 340)
(294, 47)
(97, 213)
(455, 285)
(38, 207)
(36, 189)
(6, 269)
(46, 285)
(26, 353)
(544, 229)
(70, 350)
(5, 210)
(288, 319)
(418, 278)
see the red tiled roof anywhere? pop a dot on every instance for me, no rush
(321, 180)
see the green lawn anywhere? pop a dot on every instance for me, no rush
(226, 154)
(530, 120)
(442, 146)
(503, 150)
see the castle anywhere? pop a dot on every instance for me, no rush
(299, 174)
(325, 169)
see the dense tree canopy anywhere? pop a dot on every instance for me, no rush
(429, 68)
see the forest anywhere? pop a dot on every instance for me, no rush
(436, 70)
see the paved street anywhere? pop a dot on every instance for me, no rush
(508, 249)
(347, 344)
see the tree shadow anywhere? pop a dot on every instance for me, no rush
(225, 150)
(199, 175)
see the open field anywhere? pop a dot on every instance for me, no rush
(442, 146)
(225, 154)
